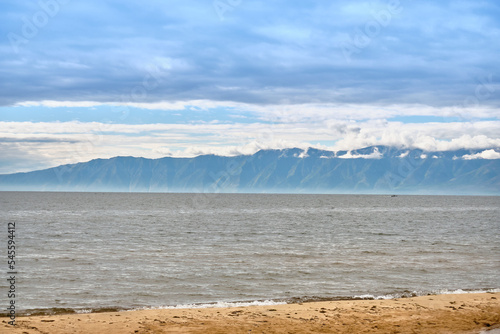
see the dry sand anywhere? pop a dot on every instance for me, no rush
(458, 313)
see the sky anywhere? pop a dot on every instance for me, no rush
(90, 79)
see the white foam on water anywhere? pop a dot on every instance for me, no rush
(425, 293)
(375, 297)
(460, 291)
(215, 305)
(273, 302)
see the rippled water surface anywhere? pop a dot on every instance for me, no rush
(91, 250)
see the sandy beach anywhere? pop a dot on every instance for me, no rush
(452, 313)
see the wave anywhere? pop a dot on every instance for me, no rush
(267, 302)
(409, 294)
(217, 305)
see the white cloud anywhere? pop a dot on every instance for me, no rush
(404, 154)
(487, 154)
(55, 143)
(303, 154)
(374, 155)
(425, 136)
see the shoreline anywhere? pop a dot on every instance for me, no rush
(445, 313)
(244, 303)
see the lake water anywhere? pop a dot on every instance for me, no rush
(88, 251)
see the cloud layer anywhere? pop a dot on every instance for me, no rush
(257, 52)
(30, 145)
(95, 79)
(487, 154)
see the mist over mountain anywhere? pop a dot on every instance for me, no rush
(377, 169)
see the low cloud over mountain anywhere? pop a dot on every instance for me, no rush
(377, 169)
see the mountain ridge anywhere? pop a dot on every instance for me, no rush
(374, 169)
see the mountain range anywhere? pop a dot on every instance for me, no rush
(376, 169)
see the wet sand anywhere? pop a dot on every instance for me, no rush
(457, 313)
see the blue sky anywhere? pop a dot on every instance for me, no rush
(95, 79)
